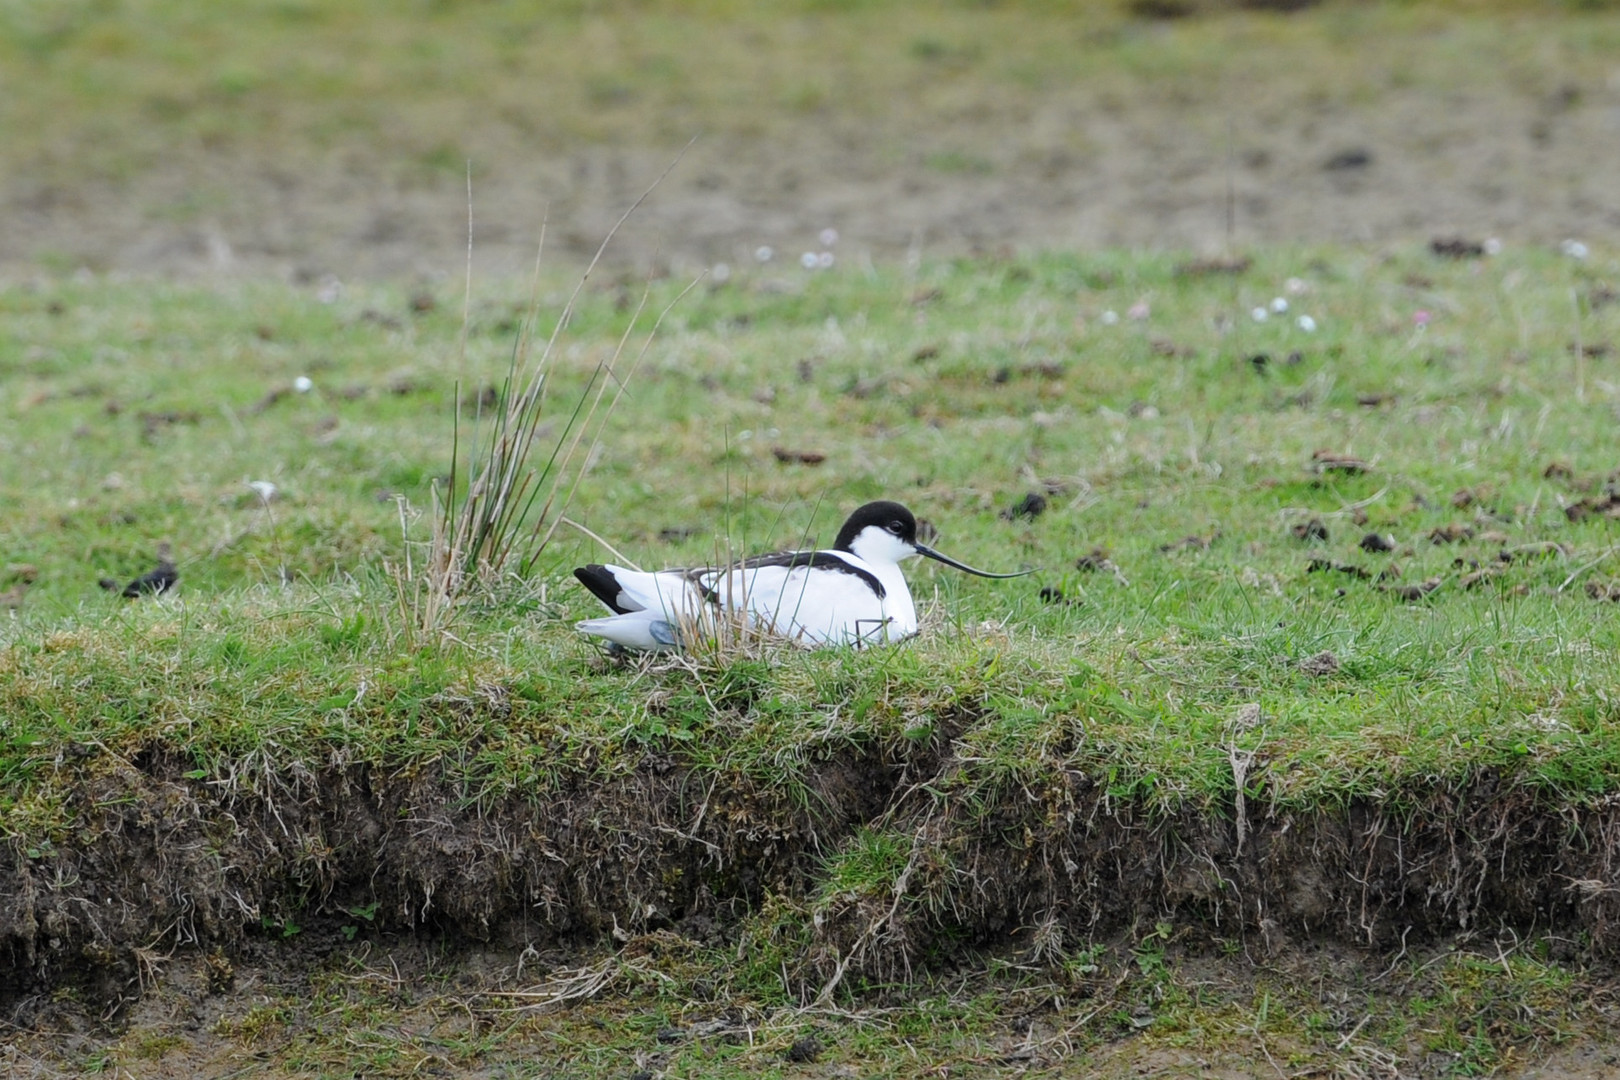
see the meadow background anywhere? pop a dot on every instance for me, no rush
(299, 139)
(1281, 342)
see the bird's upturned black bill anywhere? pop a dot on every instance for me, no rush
(948, 561)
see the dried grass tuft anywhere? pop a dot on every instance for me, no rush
(501, 509)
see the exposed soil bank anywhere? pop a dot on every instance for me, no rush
(157, 860)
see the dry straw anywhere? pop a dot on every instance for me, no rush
(500, 509)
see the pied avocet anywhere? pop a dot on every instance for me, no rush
(849, 594)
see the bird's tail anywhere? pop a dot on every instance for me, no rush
(647, 631)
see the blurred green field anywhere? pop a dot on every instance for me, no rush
(282, 138)
(135, 80)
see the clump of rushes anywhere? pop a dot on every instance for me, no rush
(501, 508)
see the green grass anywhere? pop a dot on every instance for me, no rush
(957, 387)
(956, 390)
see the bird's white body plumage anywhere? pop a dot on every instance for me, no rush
(825, 598)
(851, 594)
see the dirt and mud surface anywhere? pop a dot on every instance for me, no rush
(189, 923)
(1070, 174)
(398, 1006)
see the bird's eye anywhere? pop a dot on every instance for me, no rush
(897, 528)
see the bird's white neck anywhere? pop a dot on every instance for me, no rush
(879, 547)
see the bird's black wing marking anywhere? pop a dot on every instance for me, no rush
(706, 579)
(600, 580)
(816, 560)
(701, 578)
(156, 581)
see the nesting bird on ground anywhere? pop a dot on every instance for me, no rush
(850, 594)
(160, 579)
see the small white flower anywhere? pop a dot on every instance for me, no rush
(1295, 286)
(1109, 318)
(1260, 314)
(1307, 324)
(263, 488)
(1279, 305)
(828, 237)
(825, 260)
(1493, 246)
(721, 273)
(1574, 249)
(763, 253)
(808, 260)
(303, 384)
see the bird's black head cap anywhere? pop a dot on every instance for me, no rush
(891, 517)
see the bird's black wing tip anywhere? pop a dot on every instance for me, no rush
(603, 585)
